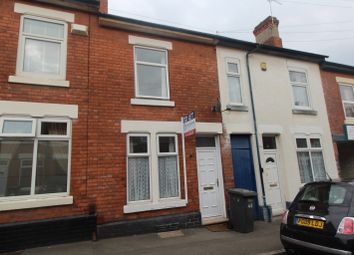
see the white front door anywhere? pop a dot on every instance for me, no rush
(211, 193)
(271, 182)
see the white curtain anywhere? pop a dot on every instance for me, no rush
(138, 178)
(305, 166)
(168, 177)
(318, 166)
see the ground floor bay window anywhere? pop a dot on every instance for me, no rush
(310, 159)
(34, 158)
(153, 174)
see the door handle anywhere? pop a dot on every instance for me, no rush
(217, 182)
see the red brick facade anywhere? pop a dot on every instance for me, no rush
(193, 87)
(100, 69)
(334, 100)
(336, 116)
(77, 74)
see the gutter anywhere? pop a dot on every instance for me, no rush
(336, 67)
(255, 125)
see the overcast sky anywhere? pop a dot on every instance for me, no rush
(319, 26)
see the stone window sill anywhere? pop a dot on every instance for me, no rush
(349, 121)
(38, 81)
(239, 108)
(17, 204)
(152, 102)
(305, 112)
(131, 208)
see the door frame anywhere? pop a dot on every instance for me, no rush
(220, 176)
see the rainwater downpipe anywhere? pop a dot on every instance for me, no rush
(256, 130)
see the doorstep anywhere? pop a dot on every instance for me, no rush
(213, 220)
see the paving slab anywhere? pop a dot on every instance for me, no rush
(264, 240)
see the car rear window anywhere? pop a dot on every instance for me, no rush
(331, 194)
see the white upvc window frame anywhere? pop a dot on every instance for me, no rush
(300, 84)
(310, 149)
(344, 101)
(4, 119)
(54, 120)
(136, 63)
(155, 202)
(40, 198)
(236, 75)
(165, 154)
(148, 155)
(21, 49)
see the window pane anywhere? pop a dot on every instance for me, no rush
(151, 81)
(315, 143)
(234, 89)
(151, 56)
(43, 28)
(232, 67)
(325, 194)
(17, 127)
(301, 143)
(54, 128)
(349, 110)
(52, 167)
(138, 144)
(318, 166)
(300, 96)
(138, 179)
(168, 177)
(42, 57)
(297, 76)
(15, 168)
(205, 142)
(347, 93)
(305, 167)
(269, 143)
(167, 144)
(337, 195)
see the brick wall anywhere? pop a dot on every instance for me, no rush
(101, 74)
(334, 100)
(336, 117)
(77, 74)
(193, 87)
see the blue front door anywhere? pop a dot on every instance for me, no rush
(242, 160)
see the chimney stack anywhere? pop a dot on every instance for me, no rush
(267, 32)
(103, 6)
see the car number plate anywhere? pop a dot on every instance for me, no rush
(310, 223)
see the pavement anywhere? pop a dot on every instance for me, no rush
(264, 240)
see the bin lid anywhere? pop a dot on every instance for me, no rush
(242, 192)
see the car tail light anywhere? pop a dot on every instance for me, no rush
(284, 218)
(346, 226)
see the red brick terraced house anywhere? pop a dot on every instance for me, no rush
(44, 116)
(338, 85)
(91, 137)
(143, 176)
(90, 125)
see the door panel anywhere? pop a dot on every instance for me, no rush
(244, 176)
(271, 182)
(209, 193)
